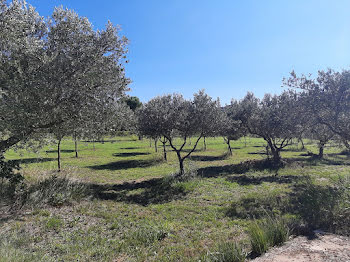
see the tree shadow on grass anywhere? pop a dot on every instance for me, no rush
(103, 141)
(209, 158)
(126, 164)
(314, 160)
(241, 168)
(130, 148)
(130, 154)
(152, 191)
(62, 151)
(33, 160)
(257, 153)
(245, 180)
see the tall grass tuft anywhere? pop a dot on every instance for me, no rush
(258, 239)
(267, 233)
(227, 252)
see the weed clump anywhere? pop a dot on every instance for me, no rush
(146, 235)
(267, 233)
(227, 252)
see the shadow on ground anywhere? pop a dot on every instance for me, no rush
(153, 191)
(127, 154)
(208, 158)
(62, 151)
(33, 160)
(245, 180)
(126, 164)
(241, 168)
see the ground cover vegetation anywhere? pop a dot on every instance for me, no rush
(83, 177)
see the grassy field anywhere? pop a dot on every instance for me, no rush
(135, 212)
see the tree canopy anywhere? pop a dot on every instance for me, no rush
(55, 70)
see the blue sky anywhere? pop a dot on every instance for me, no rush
(225, 47)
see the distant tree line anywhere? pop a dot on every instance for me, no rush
(59, 77)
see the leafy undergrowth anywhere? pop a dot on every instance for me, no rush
(120, 203)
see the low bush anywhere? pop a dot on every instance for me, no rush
(259, 205)
(10, 180)
(56, 191)
(325, 207)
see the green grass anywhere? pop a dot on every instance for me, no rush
(137, 212)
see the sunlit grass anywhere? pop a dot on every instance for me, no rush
(135, 200)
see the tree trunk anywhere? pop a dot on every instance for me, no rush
(274, 151)
(155, 145)
(76, 147)
(140, 137)
(302, 143)
(245, 141)
(181, 163)
(204, 144)
(164, 151)
(229, 147)
(93, 144)
(321, 148)
(150, 142)
(59, 155)
(276, 155)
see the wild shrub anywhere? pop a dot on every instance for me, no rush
(56, 191)
(10, 179)
(325, 207)
(258, 205)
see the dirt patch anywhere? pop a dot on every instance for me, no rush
(321, 248)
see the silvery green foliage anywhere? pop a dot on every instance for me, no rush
(328, 99)
(172, 116)
(277, 119)
(54, 71)
(230, 127)
(117, 117)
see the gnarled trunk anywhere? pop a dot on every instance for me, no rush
(276, 155)
(321, 149)
(181, 163)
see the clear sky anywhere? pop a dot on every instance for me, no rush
(226, 47)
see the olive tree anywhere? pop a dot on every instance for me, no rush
(54, 71)
(172, 116)
(276, 119)
(152, 122)
(230, 126)
(328, 98)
